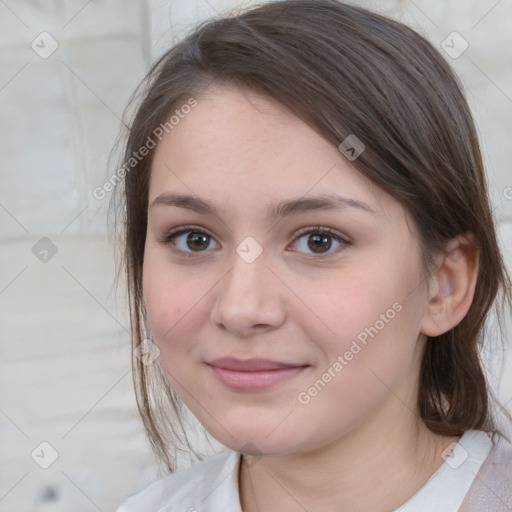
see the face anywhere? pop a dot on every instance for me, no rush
(283, 289)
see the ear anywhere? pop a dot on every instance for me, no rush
(452, 286)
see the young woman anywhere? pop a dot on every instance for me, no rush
(311, 258)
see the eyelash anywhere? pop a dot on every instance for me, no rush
(313, 230)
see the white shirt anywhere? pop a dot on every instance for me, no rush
(212, 485)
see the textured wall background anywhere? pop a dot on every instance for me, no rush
(67, 68)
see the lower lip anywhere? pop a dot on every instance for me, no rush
(255, 380)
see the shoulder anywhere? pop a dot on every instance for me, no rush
(207, 484)
(491, 490)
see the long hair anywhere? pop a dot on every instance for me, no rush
(345, 71)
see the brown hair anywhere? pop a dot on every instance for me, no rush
(344, 70)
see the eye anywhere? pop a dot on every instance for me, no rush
(319, 241)
(316, 240)
(189, 240)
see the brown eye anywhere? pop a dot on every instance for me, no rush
(189, 241)
(319, 241)
(197, 241)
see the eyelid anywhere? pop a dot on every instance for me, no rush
(340, 238)
(181, 229)
(322, 229)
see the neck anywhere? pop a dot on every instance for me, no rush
(375, 468)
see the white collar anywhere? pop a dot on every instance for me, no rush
(212, 486)
(447, 487)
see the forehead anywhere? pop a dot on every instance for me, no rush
(241, 146)
(232, 125)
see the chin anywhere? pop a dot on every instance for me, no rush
(256, 435)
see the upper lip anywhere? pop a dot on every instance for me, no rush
(251, 365)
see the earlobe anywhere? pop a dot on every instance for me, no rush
(451, 286)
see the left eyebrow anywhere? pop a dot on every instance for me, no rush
(325, 202)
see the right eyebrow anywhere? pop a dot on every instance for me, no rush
(185, 201)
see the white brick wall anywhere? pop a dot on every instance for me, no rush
(64, 352)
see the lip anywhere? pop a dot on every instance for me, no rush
(251, 365)
(253, 374)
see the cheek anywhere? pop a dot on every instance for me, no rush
(174, 303)
(369, 317)
(366, 359)
(341, 309)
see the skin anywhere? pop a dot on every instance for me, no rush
(244, 153)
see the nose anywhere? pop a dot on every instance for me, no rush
(249, 299)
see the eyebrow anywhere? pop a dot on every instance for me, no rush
(324, 202)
